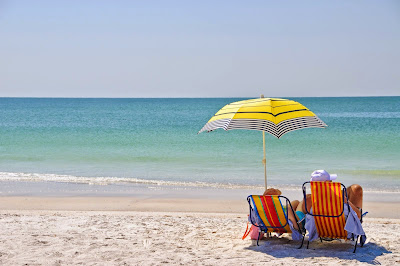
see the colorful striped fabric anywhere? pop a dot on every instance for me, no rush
(271, 212)
(327, 200)
(272, 115)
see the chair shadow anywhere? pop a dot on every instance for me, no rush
(284, 248)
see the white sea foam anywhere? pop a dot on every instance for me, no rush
(37, 177)
(151, 183)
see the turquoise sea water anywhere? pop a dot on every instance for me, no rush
(156, 141)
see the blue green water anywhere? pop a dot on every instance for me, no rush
(122, 140)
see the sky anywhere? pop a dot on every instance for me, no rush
(199, 48)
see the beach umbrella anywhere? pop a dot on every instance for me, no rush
(272, 115)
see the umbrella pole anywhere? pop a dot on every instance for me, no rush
(264, 161)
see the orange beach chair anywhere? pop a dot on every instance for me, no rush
(328, 209)
(270, 215)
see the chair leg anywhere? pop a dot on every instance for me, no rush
(355, 245)
(320, 239)
(308, 242)
(302, 241)
(258, 238)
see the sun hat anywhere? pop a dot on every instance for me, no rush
(322, 175)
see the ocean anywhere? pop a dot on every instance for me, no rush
(155, 141)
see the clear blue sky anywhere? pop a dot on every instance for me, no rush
(199, 48)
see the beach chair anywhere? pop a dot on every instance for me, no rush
(270, 215)
(328, 210)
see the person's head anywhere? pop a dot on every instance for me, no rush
(272, 191)
(322, 175)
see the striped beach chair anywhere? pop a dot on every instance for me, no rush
(270, 215)
(328, 209)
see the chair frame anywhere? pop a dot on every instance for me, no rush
(344, 194)
(264, 228)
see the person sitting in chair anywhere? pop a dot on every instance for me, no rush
(355, 201)
(272, 192)
(299, 214)
(293, 215)
(354, 193)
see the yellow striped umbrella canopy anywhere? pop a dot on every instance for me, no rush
(272, 115)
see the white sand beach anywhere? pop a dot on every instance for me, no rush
(33, 231)
(133, 132)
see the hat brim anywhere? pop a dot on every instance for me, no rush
(333, 176)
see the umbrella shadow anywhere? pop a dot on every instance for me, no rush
(284, 248)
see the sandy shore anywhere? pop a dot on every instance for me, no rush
(133, 231)
(154, 238)
(161, 204)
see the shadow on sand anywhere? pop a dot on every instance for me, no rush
(285, 248)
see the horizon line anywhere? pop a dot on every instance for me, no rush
(74, 97)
